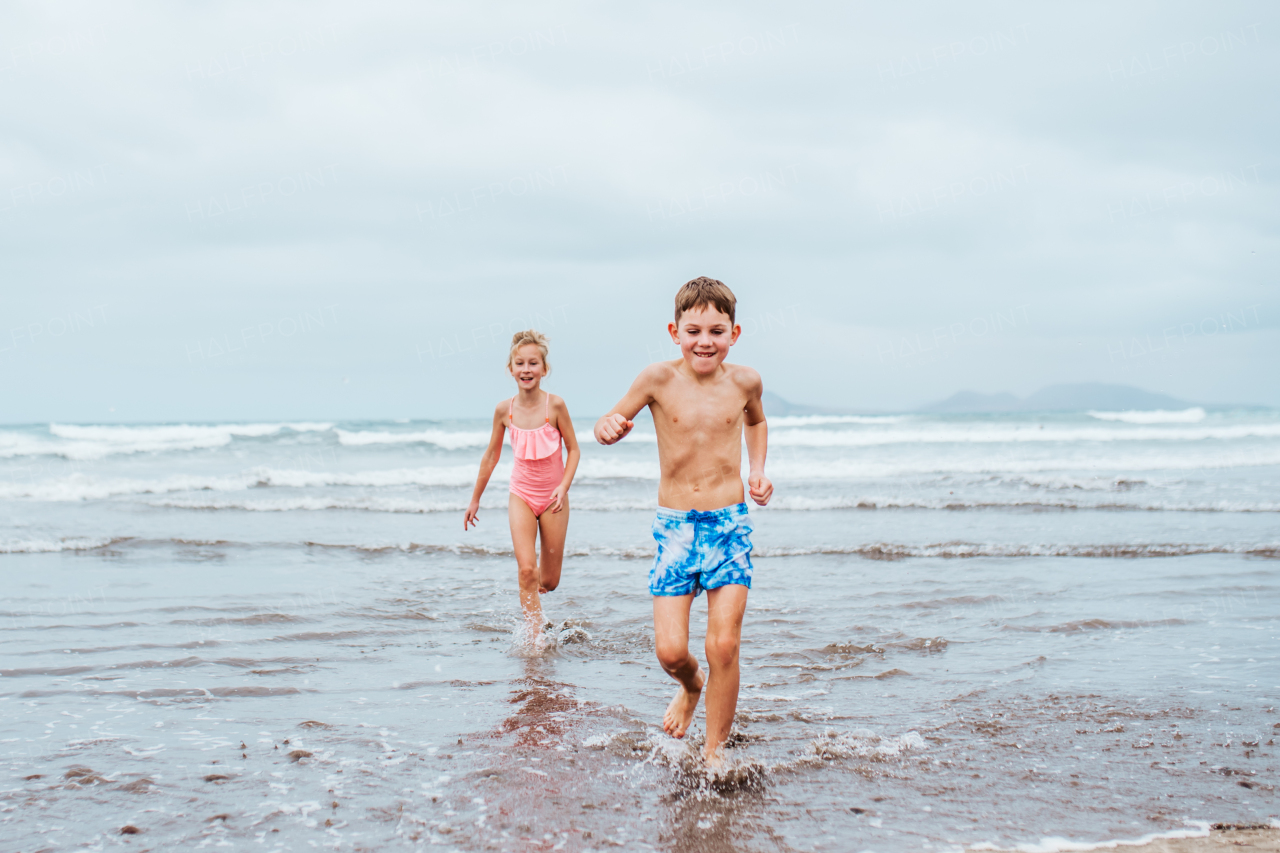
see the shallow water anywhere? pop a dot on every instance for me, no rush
(914, 677)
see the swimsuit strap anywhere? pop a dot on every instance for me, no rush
(511, 409)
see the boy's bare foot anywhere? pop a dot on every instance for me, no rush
(679, 715)
(714, 759)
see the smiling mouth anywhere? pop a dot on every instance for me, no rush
(704, 354)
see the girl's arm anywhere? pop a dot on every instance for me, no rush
(487, 463)
(565, 424)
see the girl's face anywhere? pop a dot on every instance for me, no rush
(527, 367)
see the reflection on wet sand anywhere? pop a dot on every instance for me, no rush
(543, 705)
(550, 780)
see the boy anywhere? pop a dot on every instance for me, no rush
(701, 407)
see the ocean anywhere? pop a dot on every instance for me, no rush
(964, 630)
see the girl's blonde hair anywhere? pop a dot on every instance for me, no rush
(529, 336)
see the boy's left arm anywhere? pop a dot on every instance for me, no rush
(757, 435)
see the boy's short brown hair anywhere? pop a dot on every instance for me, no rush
(703, 291)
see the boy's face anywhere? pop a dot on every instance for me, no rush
(704, 335)
(527, 366)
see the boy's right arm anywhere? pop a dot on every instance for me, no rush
(611, 428)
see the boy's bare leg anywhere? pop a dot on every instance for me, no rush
(725, 609)
(524, 540)
(671, 636)
(553, 526)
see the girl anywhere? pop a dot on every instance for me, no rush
(539, 499)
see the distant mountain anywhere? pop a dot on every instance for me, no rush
(775, 405)
(972, 401)
(1058, 398)
(1055, 398)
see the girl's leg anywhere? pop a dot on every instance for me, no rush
(553, 526)
(524, 535)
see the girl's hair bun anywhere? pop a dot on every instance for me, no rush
(529, 336)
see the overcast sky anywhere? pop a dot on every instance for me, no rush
(309, 210)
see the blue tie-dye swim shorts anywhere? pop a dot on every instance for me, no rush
(700, 550)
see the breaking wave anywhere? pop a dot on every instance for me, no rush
(440, 438)
(84, 487)
(822, 420)
(49, 546)
(1158, 416)
(1002, 433)
(872, 550)
(95, 442)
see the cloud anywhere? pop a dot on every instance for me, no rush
(429, 178)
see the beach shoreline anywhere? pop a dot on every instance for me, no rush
(1210, 837)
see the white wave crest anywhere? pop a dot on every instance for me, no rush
(1055, 844)
(1081, 460)
(78, 487)
(1157, 416)
(1015, 434)
(440, 438)
(77, 442)
(803, 503)
(820, 420)
(495, 501)
(48, 546)
(866, 489)
(178, 432)
(604, 468)
(312, 504)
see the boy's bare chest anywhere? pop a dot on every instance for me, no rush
(703, 413)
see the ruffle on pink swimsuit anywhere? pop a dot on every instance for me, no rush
(539, 466)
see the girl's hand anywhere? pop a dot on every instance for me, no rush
(472, 509)
(558, 497)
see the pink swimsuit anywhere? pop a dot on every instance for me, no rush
(539, 467)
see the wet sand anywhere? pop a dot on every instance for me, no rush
(1221, 838)
(200, 696)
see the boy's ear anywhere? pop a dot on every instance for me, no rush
(674, 331)
(737, 330)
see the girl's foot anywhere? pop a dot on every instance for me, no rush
(534, 635)
(679, 715)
